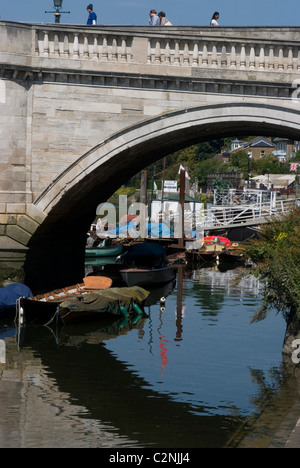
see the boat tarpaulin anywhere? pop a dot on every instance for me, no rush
(12, 292)
(151, 230)
(108, 300)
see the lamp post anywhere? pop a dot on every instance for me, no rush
(57, 13)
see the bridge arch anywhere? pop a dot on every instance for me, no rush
(70, 201)
(116, 159)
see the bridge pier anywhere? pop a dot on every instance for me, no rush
(38, 252)
(57, 263)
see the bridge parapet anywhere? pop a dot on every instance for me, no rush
(190, 51)
(174, 48)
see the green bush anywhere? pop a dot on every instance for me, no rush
(277, 258)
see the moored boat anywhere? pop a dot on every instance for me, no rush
(102, 255)
(111, 302)
(146, 264)
(146, 276)
(42, 307)
(206, 253)
(231, 256)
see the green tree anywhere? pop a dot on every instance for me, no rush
(277, 255)
(269, 163)
(202, 169)
(208, 149)
(187, 157)
(220, 185)
(238, 163)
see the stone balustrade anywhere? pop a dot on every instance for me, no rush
(270, 49)
(189, 48)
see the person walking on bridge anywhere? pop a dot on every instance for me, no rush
(214, 20)
(163, 20)
(154, 19)
(92, 18)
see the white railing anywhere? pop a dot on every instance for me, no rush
(225, 216)
(245, 197)
(256, 213)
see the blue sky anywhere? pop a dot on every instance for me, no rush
(135, 12)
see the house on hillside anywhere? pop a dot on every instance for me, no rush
(285, 149)
(256, 149)
(259, 147)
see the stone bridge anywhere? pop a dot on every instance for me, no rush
(83, 109)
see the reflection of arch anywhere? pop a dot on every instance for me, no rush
(115, 160)
(2, 92)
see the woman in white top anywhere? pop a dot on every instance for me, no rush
(214, 19)
(163, 19)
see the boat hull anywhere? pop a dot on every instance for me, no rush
(92, 305)
(230, 257)
(197, 256)
(144, 277)
(103, 255)
(44, 308)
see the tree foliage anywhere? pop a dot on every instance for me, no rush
(208, 149)
(277, 256)
(201, 160)
(208, 166)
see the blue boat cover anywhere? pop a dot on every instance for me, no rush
(151, 229)
(12, 292)
(147, 248)
(144, 254)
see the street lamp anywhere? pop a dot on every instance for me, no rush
(57, 13)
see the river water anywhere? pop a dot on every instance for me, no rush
(194, 372)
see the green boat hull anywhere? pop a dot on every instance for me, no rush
(102, 255)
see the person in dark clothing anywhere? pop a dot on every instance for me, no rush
(92, 18)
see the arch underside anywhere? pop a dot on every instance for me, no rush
(71, 201)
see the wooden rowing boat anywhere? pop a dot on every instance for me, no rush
(207, 253)
(42, 307)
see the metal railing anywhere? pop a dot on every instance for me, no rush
(249, 214)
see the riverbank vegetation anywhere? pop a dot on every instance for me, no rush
(277, 258)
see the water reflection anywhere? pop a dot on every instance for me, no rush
(169, 380)
(112, 393)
